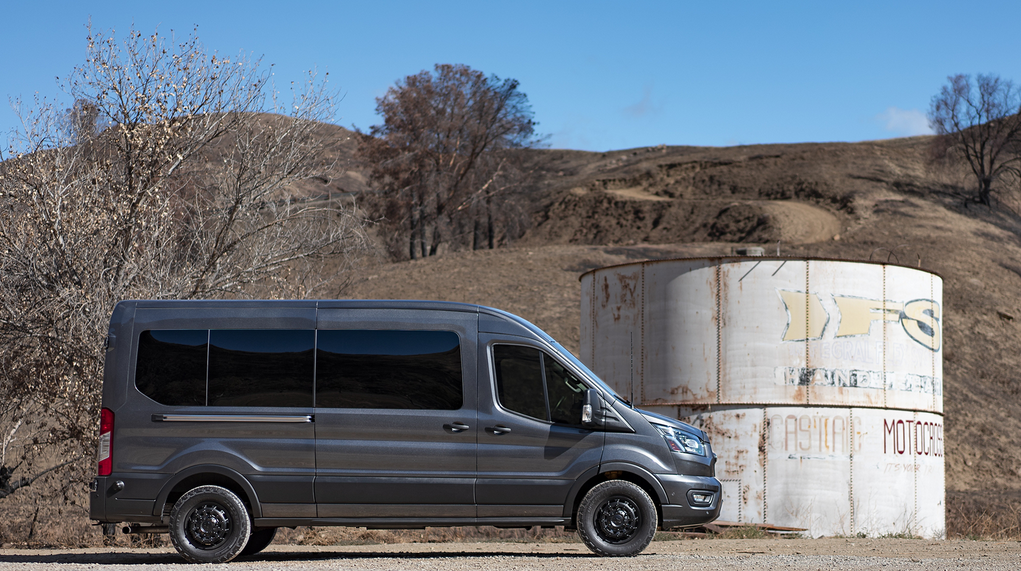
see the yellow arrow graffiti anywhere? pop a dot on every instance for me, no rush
(807, 316)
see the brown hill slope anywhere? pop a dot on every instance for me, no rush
(856, 201)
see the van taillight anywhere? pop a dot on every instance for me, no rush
(105, 442)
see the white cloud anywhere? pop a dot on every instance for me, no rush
(905, 122)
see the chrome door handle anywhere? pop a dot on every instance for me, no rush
(456, 427)
(498, 429)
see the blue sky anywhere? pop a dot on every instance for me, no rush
(599, 75)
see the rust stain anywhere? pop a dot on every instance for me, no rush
(762, 437)
(627, 295)
(799, 394)
(684, 393)
(718, 429)
(628, 289)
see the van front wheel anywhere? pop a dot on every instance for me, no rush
(209, 524)
(617, 518)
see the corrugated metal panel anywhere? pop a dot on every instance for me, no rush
(677, 370)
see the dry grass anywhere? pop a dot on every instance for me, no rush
(977, 515)
(46, 525)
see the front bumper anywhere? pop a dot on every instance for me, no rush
(680, 510)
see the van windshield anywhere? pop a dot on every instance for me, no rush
(588, 372)
(566, 355)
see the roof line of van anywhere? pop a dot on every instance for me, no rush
(320, 304)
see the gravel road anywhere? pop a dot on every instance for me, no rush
(701, 555)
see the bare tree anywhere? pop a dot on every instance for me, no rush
(977, 122)
(186, 192)
(446, 160)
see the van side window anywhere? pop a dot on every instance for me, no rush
(532, 383)
(171, 366)
(389, 369)
(261, 367)
(566, 392)
(519, 383)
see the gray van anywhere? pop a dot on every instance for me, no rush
(224, 420)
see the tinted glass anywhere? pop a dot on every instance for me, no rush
(171, 366)
(389, 369)
(519, 380)
(566, 392)
(261, 367)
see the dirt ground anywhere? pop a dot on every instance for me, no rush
(702, 555)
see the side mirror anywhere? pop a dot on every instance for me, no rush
(590, 406)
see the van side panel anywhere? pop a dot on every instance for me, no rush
(399, 463)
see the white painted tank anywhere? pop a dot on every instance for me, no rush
(818, 381)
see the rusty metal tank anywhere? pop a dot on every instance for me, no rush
(819, 381)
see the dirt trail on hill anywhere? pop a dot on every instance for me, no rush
(801, 223)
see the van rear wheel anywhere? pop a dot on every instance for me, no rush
(209, 524)
(617, 518)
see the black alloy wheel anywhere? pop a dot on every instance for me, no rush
(617, 518)
(209, 524)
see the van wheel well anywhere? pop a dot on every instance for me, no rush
(210, 479)
(615, 475)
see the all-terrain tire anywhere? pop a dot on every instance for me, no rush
(260, 539)
(209, 524)
(617, 518)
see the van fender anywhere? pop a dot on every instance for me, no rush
(583, 481)
(648, 477)
(580, 484)
(223, 473)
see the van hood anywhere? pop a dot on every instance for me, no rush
(672, 422)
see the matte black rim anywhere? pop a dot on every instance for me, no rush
(618, 520)
(208, 526)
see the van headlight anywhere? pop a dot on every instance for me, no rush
(680, 441)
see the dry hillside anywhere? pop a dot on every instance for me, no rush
(860, 201)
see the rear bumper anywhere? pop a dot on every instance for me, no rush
(110, 501)
(682, 510)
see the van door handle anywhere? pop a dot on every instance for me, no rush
(498, 429)
(456, 427)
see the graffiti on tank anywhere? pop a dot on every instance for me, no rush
(808, 318)
(906, 437)
(809, 436)
(813, 434)
(858, 378)
(909, 468)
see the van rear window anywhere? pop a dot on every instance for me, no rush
(389, 369)
(171, 366)
(283, 368)
(262, 367)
